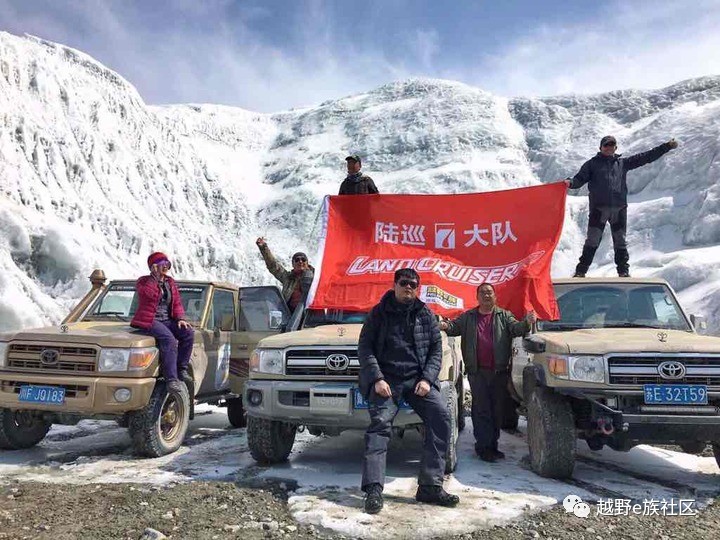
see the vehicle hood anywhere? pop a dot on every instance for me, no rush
(329, 335)
(102, 334)
(626, 340)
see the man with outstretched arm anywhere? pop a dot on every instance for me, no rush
(296, 282)
(606, 177)
(400, 353)
(487, 332)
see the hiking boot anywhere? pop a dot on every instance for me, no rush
(373, 498)
(487, 454)
(498, 454)
(436, 495)
(186, 377)
(578, 274)
(624, 273)
(175, 386)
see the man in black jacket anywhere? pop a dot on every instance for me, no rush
(487, 332)
(605, 174)
(356, 183)
(400, 353)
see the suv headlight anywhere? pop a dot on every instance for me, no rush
(3, 353)
(267, 361)
(578, 368)
(135, 359)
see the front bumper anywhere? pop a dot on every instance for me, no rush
(634, 420)
(313, 404)
(83, 395)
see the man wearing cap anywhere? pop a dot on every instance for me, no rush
(606, 177)
(160, 313)
(296, 282)
(356, 183)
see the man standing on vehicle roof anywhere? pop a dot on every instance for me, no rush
(487, 332)
(606, 177)
(160, 313)
(296, 282)
(400, 353)
(356, 183)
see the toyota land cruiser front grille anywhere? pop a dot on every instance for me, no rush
(336, 363)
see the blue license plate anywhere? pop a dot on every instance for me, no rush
(362, 403)
(675, 394)
(51, 395)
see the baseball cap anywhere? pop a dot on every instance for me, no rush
(354, 157)
(607, 139)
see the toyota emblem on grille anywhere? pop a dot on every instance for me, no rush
(337, 362)
(662, 336)
(671, 370)
(49, 357)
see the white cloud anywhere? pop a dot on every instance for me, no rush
(215, 51)
(631, 46)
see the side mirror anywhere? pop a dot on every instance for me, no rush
(534, 344)
(699, 323)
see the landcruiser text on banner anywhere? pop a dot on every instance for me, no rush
(454, 242)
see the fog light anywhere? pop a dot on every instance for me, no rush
(255, 397)
(122, 395)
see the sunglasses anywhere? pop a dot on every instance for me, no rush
(609, 144)
(164, 264)
(408, 283)
(299, 260)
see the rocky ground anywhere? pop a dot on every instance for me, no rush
(220, 510)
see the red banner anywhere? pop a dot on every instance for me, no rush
(454, 242)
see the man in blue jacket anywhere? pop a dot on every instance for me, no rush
(400, 353)
(606, 177)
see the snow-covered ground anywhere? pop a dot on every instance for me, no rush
(323, 475)
(91, 176)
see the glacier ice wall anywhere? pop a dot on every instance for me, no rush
(91, 176)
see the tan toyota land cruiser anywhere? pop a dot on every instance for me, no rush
(308, 378)
(94, 365)
(623, 366)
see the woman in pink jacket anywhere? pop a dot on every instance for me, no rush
(161, 314)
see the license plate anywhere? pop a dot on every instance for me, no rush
(362, 403)
(51, 395)
(675, 394)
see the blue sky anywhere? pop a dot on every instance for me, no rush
(271, 55)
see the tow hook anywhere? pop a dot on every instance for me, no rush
(605, 425)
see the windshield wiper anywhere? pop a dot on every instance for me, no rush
(627, 324)
(119, 314)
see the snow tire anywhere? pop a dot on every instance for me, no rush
(160, 427)
(21, 429)
(270, 441)
(236, 413)
(551, 434)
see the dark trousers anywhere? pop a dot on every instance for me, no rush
(617, 217)
(175, 346)
(434, 414)
(488, 400)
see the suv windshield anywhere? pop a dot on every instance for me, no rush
(616, 306)
(320, 317)
(119, 303)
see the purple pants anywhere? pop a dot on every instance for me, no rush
(175, 346)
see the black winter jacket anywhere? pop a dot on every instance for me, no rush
(426, 337)
(358, 184)
(606, 177)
